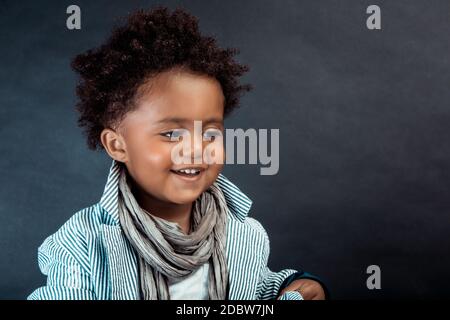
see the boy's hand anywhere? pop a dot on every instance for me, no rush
(309, 289)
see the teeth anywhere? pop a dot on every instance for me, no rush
(189, 171)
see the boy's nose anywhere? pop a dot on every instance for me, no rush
(197, 148)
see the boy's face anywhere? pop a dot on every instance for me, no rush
(172, 105)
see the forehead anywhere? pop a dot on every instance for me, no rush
(180, 95)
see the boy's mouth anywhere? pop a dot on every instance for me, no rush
(188, 172)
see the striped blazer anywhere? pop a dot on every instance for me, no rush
(89, 257)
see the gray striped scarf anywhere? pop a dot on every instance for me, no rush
(165, 251)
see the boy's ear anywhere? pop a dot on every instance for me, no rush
(114, 145)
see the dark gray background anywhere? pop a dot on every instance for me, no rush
(363, 116)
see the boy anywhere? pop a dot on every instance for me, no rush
(162, 230)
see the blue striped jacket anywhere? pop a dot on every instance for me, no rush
(90, 258)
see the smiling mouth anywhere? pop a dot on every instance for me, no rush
(188, 172)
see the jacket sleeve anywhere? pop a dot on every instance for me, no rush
(272, 283)
(62, 257)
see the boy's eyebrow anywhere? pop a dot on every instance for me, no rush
(184, 120)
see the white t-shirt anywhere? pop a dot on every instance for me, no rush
(191, 287)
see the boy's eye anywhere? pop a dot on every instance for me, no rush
(173, 135)
(211, 134)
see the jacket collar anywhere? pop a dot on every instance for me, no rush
(238, 203)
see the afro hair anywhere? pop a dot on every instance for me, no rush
(148, 43)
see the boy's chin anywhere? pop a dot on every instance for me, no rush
(185, 197)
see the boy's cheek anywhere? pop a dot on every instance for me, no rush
(216, 169)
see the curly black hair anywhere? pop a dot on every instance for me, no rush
(150, 42)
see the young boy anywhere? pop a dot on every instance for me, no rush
(162, 230)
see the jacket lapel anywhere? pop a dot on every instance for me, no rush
(122, 264)
(242, 262)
